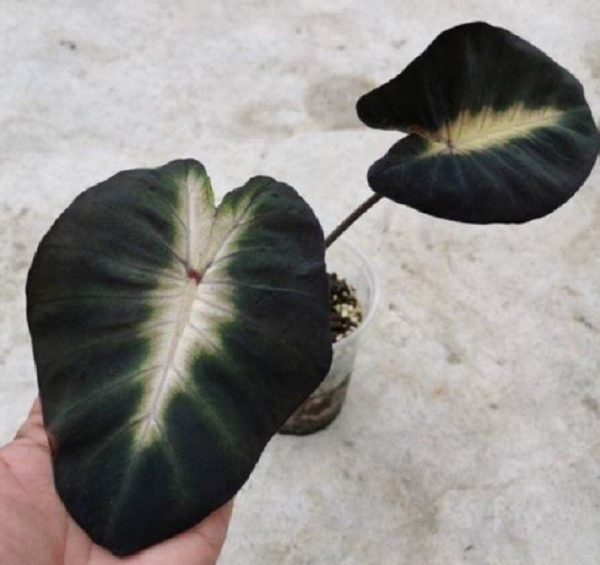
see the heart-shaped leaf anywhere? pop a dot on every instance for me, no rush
(499, 132)
(172, 339)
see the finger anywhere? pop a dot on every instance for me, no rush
(200, 545)
(33, 427)
(213, 530)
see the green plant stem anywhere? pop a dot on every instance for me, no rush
(368, 203)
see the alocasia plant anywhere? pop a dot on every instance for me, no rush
(172, 338)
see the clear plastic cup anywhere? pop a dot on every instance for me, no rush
(325, 403)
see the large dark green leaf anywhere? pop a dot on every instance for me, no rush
(172, 339)
(499, 132)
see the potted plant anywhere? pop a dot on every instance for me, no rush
(353, 297)
(173, 338)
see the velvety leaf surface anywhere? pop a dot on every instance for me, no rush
(172, 339)
(498, 132)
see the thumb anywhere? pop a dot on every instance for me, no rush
(32, 430)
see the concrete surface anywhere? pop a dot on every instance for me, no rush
(472, 429)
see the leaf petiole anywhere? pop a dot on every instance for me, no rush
(345, 224)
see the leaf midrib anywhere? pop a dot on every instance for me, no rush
(452, 139)
(182, 320)
(188, 296)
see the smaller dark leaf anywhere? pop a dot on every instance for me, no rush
(498, 131)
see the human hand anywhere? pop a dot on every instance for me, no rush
(36, 529)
